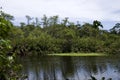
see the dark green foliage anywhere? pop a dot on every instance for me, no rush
(8, 68)
(52, 36)
(96, 24)
(88, 45)
(5, 27)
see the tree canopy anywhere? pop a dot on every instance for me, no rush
(50, 35)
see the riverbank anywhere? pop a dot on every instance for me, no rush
(77, 54)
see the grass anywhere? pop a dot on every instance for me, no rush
(77, 54)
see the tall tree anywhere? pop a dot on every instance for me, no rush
(65, 21)
(37, 23)
(53, 20)
(97, 24)
(45, 21)
(28, 19)
(116, 29)
(22, 24)
(6, 16)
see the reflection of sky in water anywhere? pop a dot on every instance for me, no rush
(110, 72)
(73, 68)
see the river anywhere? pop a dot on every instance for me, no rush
(70, 68)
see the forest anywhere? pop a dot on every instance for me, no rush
(50, 35)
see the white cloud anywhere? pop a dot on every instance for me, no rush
(84, 9)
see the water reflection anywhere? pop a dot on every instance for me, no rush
(72, 68)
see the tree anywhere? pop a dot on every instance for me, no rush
(8, 67)
(67, 35)
(6, 16)
(45, 21)
(65, 21)
(116, 29)
(5, 26)
(37, 23)
(22, 24)
(53, 20)
(96, 24)
(40, 42)
(28, 19)
(87, 30)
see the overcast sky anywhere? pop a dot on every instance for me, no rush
(106, 11)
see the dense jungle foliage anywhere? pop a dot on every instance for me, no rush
(52, 35)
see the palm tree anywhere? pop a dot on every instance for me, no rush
(96, 24)
(28, 19)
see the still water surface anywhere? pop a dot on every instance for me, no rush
(72, 68)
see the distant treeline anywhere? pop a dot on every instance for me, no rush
(49, 35)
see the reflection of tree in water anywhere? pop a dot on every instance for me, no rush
(90, 65)
(115, 64)
(67, 67)
(50, 66)
(73, 68)
(102, 66)
(94, 66)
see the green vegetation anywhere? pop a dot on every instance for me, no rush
(77, 54)
(50, 35)
(9, 70)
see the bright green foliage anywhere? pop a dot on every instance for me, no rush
(8, 68)
(5, 24)
(4, 46)
(5, 27)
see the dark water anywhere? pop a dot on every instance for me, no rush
(72, 68)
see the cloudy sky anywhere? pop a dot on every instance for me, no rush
(106, 11)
